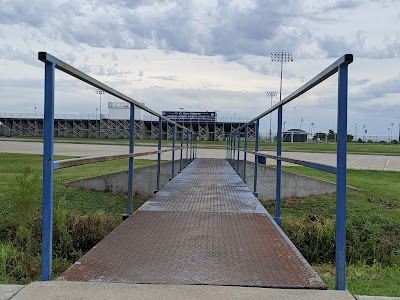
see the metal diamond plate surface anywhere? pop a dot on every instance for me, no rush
(201, 228)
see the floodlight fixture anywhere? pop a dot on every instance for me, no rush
(281, 57)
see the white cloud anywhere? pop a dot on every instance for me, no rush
(179, 53)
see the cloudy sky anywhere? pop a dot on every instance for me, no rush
(207, 55)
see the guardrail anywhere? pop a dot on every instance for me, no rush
(233, 154)
(49, 165)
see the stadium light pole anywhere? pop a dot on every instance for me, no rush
(355, 133)
(294, 117)
(364, 132)
(391, 132)
(100, 92)
(181, 108)
(399, 128)
(271, 94)
(281, 57)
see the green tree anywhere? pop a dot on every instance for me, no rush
(331, 135)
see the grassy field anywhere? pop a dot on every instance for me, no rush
(362, 148)
(373, 232)
(82, 218)
(379, 193)
(14, 165)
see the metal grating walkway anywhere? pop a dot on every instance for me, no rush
(204, 227)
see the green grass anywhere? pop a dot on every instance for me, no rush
(362, 279)
(373, 230)
(81, 200)
(81, 218)
(361, 148)
(379, 192)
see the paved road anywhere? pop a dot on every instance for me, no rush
(354, 161)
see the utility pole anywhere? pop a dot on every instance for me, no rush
(355, 133)
(391, 132)
(281, 57)
(399, 129)
(364, 132)
(100, 92)
(271, 94)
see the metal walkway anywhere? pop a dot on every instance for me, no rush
(204, 227)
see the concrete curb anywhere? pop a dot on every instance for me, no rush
(376, 298)
(64, 290)
(7, 291)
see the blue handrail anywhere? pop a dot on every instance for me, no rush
(49, 165)
(341, 67)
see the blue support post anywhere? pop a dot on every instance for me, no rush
(195, 152)
(341, 179)
(187, 148)
(256, 158)
(238, 155)
(278, 218)
(193, 144)
(234, 150)
(227, 148)
(48, 172)
(130, 161)
(245, 154)
(231, 147)
(181, 151)
(159, 154)
(173, 152)
(191, 147)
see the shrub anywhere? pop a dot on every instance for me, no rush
(369, 239)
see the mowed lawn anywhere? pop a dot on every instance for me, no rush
(13, 165)
(377, 203)
(362, 148)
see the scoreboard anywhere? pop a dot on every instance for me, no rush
(191, 116)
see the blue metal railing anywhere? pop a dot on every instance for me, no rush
(340, 67)
(49, 165)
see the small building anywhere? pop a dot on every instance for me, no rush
(295, 136)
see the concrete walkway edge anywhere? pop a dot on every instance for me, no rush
(58, 290)
(66, 290)
(7, 291)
